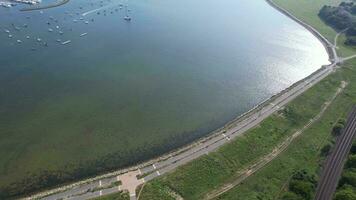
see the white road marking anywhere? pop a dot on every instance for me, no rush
(100, 183)
(274, 105)
(101, 193)
(158, 173)
(154, 166)
(226, 137)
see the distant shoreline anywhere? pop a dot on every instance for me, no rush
(326, 43)
(39, 7)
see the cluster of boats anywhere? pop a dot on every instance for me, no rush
(54, 27)
(11, 3)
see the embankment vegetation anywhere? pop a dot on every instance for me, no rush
(116, 196)
(347, 185)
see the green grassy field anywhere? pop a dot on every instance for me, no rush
(116, 196)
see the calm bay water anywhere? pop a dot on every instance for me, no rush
(129, 91)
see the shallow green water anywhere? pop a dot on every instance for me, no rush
(128, 91)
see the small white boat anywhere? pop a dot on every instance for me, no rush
(27, 37)
(19, 41)
(39, 39)
(50, 30)
(83, 34)
(10, 36)
(66, 42)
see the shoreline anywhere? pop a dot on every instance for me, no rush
(333, 58)
(329, 47)
(39, 7)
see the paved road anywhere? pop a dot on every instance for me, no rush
(335, 162)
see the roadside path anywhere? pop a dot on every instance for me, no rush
(337, 36)
(275, 153)
(335, 162)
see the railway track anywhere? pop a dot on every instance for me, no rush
(335, 162)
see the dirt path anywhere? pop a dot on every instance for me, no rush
(337, 36)
(276, 151)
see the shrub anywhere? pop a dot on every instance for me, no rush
(348, 178)
(325, 150)
(302, 188)
(291, 196)
(351, 162)
(345, 193)
(337, 129)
